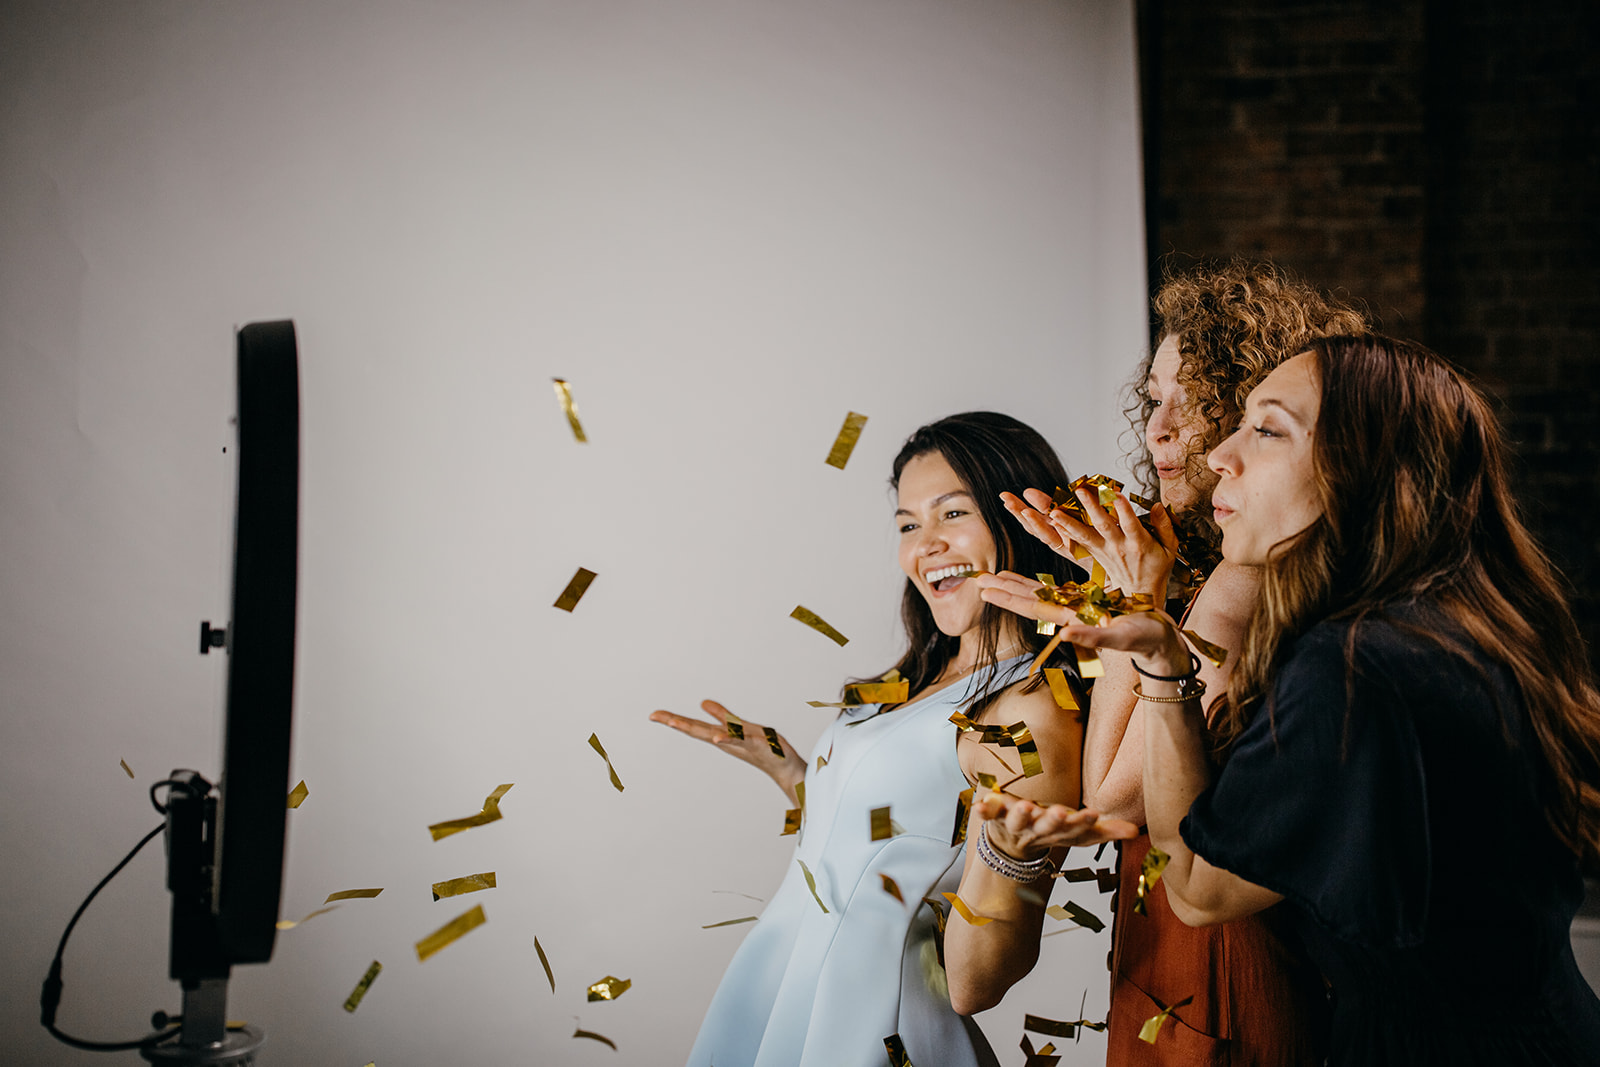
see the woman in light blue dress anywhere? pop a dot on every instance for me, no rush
(843, 967)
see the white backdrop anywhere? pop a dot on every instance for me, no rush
(727, 224)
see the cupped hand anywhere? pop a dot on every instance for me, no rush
(1134, 561)
(786, 770)
(1150, 637)
(1016, 594)
(1021, 828)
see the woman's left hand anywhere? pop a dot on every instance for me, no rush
(1020, 827)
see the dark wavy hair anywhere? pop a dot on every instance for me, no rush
(1235, 321)
(1411, 470)
(991, 453)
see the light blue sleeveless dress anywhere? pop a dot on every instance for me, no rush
(809, 988)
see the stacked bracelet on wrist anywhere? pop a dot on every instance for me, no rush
(1005, 866)
(1190, 687)
(1194, 669)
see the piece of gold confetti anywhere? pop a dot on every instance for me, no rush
(868, 693)
(735, 727)
(564, 395)
(811, 883)
(822, 761)
(882, 828)
(592, 1036)
(545, 962)
(352, 894)
(845, 443)
(353, 1001)
(610, 988)
(1089, 665)
(1152, 1026)
(963, 806)
(1155, 862)
(450, 931)
(987, 735)
(575, 589)
(470, 883)
(130, 770)
(732, 922)
(290, 924)
(1042, 1058)
(594, 743)
(1215, 653)
(1027, 749)
(897, 1051)
(1061, 689)
(772, 741)
(1053, 1028)
(1082, 916)
(813, 620)
(892, 887)
(297, 795)
(966, 913)
(489, 814)
(791, 822)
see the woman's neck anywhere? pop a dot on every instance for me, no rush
(969, 651)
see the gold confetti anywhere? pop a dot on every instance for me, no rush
(450, 931)
(813, 620)
(1082, 916)
(1053, 1028)
(772, 741)
(297, 795)
(489, 814)
(575, 589)
(1089, 665)
(1061, 689)
(822, 761)
(735, 727)
(545, 961)
(897, 1051)
(987, 735)
(966, 912)
(353, 1001)
(592, 1036)
(130, 770)
(1155, 862)
(1105, 878)
(290, 924)
(791, 822)
(1215, 653)
(882, 825)
(1042, 1058)
(891, 887)
(845, 443)
(1152, 1026)
(1027, 749)
(811, 883)
(610, 988)
(1044, 629)
(732, 922)
(963, 806)
(352, 894)
(868, 693)
(470, 883)
(564, 395)
(594, 743)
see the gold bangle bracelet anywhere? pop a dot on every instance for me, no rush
(1192, 692)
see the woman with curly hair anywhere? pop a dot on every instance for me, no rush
(1411, 690)
(1222, 328)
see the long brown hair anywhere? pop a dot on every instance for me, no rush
(1411, 469)
(1235, 321)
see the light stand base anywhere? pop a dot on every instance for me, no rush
(236, 1049)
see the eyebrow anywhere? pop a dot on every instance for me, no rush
(938, 500)
(1271, 402)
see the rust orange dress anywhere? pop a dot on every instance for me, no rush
(1258, 1002)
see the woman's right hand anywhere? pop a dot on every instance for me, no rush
(787, 770)
(1134, 561)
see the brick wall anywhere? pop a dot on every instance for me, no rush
(1437, 159)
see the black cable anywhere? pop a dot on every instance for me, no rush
(50, 995)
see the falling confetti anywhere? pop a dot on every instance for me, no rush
(845, 443)
(564, 396)
(489, 814)
(575, 589)
(594, 743)
(813, 620)
(353, 1001)
(450, 931)
(470, 883)
(298, 794)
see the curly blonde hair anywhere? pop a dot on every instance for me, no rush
(1235, 321)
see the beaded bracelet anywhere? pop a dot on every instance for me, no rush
(1194, 669)
(1192, 691)
(1005, 866)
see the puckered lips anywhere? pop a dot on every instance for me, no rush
(1220, 509)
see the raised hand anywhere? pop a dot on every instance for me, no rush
(787, 770)
(1134, 561)
(1034, 514)
(1021, 828)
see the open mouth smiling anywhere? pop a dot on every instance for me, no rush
(948, 579)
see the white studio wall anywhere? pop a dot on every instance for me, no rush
(726, 224)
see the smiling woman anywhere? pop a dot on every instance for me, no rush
(847, 954)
